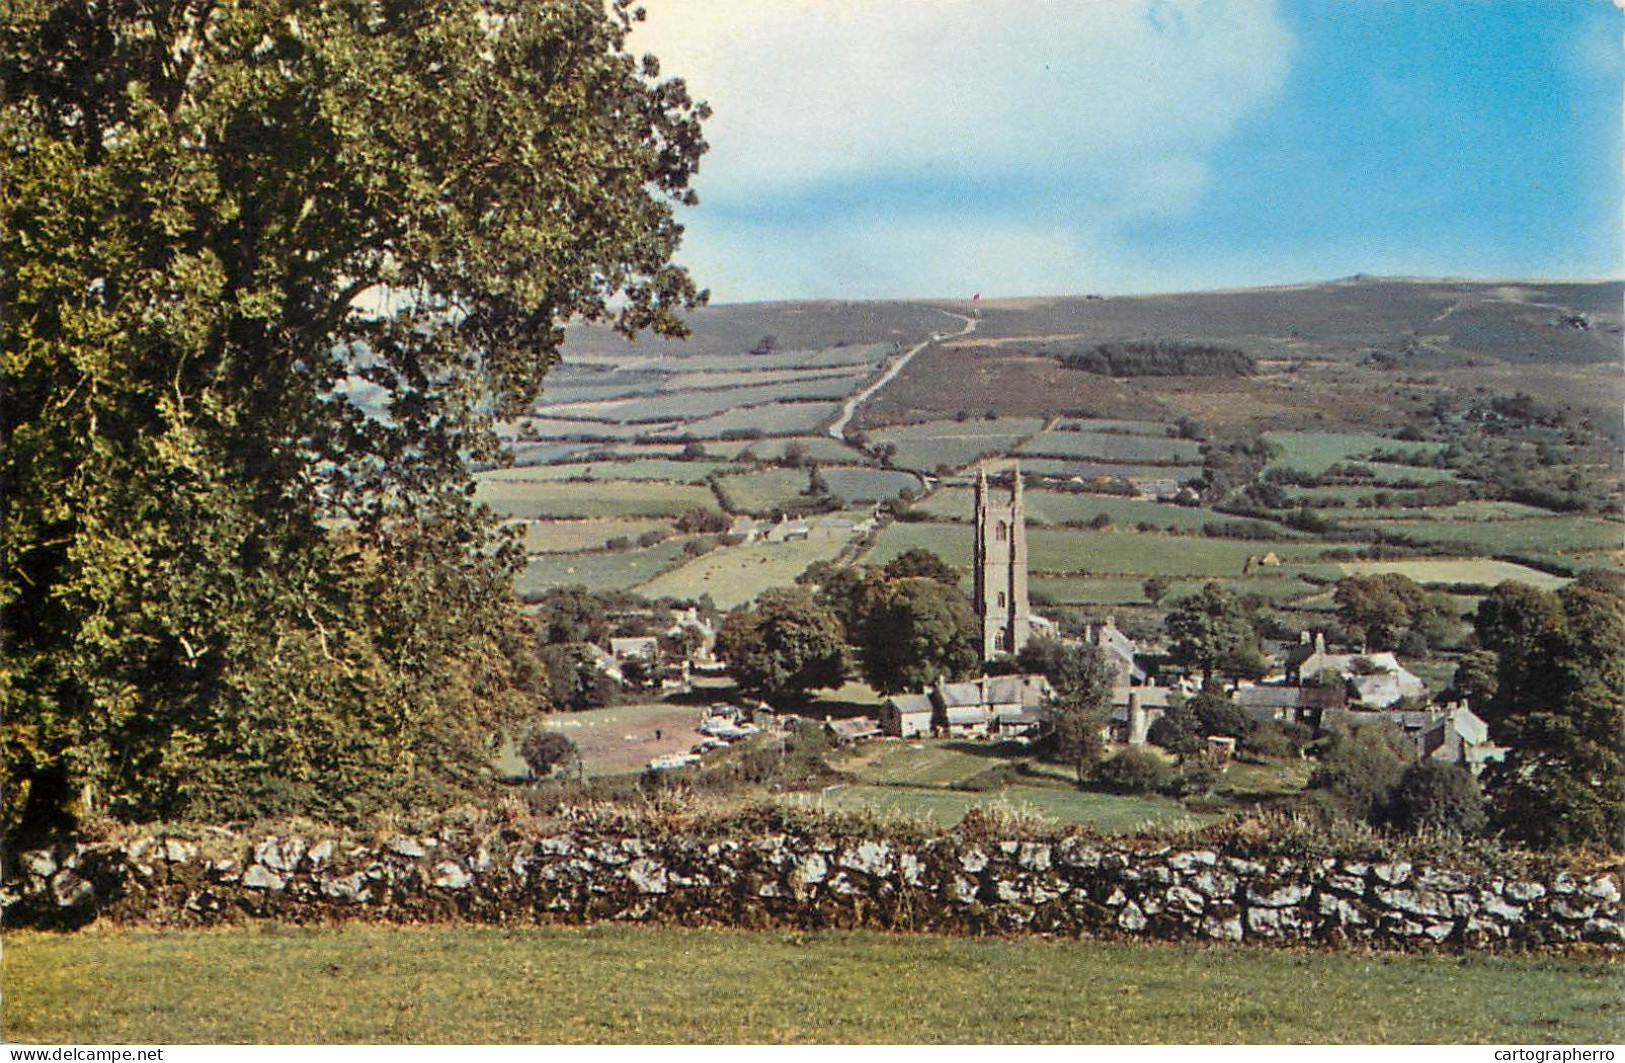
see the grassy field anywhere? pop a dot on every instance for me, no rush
(662, 469)
(569, 536)
(541, 499)
(1111, 813)
(1112, 446)
(1315, 452)
(1488, 573)
(772, 419)
(1060, 507)
(1558, 534)
(600, 571)
(1091, 470)
(1108, 552)
(735, 574)
(620, 984)
(930, 444)
(763, 490)
(619, 739)
(1110, 590)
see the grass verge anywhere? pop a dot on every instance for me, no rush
(617, 984)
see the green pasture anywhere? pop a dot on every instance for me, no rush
(771, 419)
(544, 428)
(915, 763)
(855, 484)
(931, 444)
(1471, 510)
(1094, 470)
(534, 499)
(1477, 570)
(825, 358)
(1130, 591)
(602, 570)
(1315, 452)
(1063, 507)
(764, 490)
(706, 381)
(620, 984)
(543, 453)
(732, 575)
(1109, 813)
(655, 469)
(1113, 447)
(819, 448)
(567, 536)
(689, 405)
(1056, 550)
(1144, 428)
(1511, 536)
(955, 429)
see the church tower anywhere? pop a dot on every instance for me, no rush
(1001, 567)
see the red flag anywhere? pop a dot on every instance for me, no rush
(976, 298)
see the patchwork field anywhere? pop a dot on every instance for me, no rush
(930, 445)
(567, 536)
(1112, 447)
(1510, 536)
(607, 570)
(535, 499)
(732, 575)
(1058, 507)
(1109, 552)
(1315, 452)
(617, 984)
(1092, 470)
(654, 469)
(773, 419)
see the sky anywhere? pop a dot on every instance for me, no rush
(867, 149)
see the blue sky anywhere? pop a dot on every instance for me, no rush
(893, 148)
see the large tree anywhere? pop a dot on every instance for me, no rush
(1083, 698)
(918, 631)
(783, 645)
(1559, 707)
(1212, 631)
(270, 269)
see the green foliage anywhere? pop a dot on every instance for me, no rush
(1133, 771)
(1177, 731)
(1211, 629)
(225, 576)
(571, 614)
(1559, 706)
(1383, 609)
(918, 631)
(543, 750)
(1359, 769)
(1438, 797)
(1083, 690)
(575, 682)
(783, 645)
(1161, 358)
(921, 563)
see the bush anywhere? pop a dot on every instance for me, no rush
(1435, 796)
(543, 750)
(1192, 779)
(1133, 771)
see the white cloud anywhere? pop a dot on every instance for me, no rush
(1098, 112)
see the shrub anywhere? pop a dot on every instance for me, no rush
(1133, 771)
(543, 750)
(1435, 796)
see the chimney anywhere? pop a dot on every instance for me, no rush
(1137, 722)
(1320, 642)
(1303, 637)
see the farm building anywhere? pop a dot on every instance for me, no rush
(1454, 734)
(907, 715)
(1290, 704)
(977, 706)
(1134, 710)
(855, 729)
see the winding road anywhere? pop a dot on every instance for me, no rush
(837, 428)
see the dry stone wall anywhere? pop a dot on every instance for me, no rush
(1070, 886)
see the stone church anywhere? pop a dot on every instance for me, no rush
(1001, 566)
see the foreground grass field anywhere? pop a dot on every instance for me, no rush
(630, 984)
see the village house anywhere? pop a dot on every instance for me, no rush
(1134, 710)
(854, 729)
(1376, 680)
(1002, 705)
(1452, 734)
(1119, 651)
(1290, 704)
